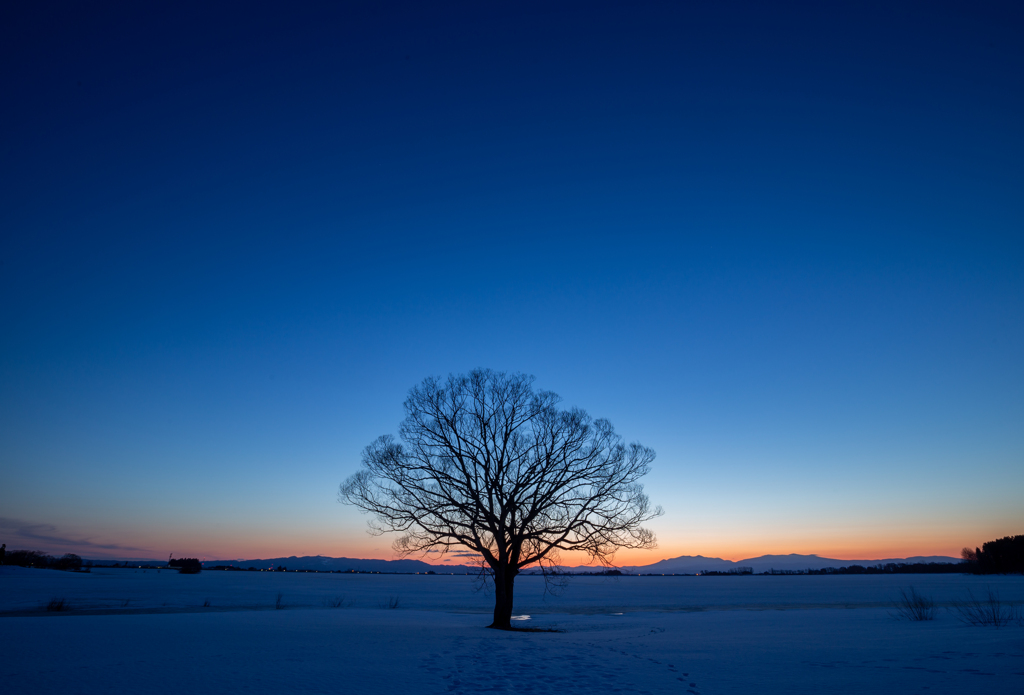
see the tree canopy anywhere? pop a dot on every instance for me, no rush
(485, 462)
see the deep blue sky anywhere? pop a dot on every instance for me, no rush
(782, 245)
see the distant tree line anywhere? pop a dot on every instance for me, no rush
(888, 568)
(728, 572)
(232, 568)
(34, 558)
(1002, 556)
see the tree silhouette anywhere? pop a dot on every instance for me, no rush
(1002, 556)
(487, 463)
(69, 561)
(186, 565)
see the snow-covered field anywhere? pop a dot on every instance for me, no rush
(785, 634)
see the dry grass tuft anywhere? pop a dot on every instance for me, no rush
(58, 605)
(987, 611)
(913, 606)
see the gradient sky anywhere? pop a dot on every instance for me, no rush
(782, 245)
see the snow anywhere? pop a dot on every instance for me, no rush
(792, 634)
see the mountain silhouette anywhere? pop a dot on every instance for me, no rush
(686, 564)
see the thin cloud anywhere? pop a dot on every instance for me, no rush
(452, 553)
(48, 535)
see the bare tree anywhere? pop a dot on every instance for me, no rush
(487, 463)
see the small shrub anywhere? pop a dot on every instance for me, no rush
(913, 606)
(987, 611)
(335, 602)
(58, 605)
(124, 604)
(206, 603)
(279, 601)
(391, 603)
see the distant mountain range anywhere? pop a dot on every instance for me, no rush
(691, 564)
(687, 564)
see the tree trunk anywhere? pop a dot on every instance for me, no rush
(504, 579)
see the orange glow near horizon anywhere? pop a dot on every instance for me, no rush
(249, 543)
(374, 548)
